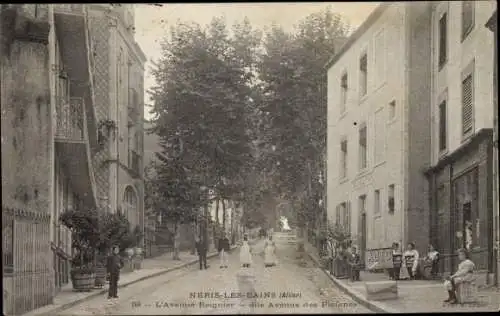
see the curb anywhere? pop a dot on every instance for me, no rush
(355, 295)
(104, 291)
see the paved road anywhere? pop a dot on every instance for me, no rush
(178, 292)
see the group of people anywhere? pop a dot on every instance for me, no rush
(223, 247)
(410, 260)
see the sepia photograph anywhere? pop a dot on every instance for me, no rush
(249, 158)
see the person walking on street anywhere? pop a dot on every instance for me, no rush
(201, 250)
(223, 249)
(245, 253)
(114, 264)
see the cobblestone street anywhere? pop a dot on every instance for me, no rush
(173, 292)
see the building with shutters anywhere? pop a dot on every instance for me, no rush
(378, 139)
(49, 136)
(462, 96)
(118, 74)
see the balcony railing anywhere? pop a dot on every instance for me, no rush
(69, 8)
(71, 119)
(134, 161)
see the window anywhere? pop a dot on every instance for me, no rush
(362, 204)
(376, 201)
(338, 215)
(443, 25)
(390, 199)
(379, 146)
(380, 64)
(362, 148)
(467, 104)
(392, 109)
(467, 18)
(442, 126)
(347, 217)
(343, 92)
(363, 74)
(343, 159)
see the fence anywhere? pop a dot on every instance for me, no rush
(27, 262)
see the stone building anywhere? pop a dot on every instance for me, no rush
(49, 135)
(492, 25)
(118, 74)
(462, 94)
(378, 137)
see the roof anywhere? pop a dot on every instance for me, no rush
(359, 32)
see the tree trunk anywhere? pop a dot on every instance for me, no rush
(223, 215)
(193, 238)
(216, 226)
(177, 233)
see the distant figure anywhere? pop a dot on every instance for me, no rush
(354, 261)
(284, 224)
(432, 259)
(270, 253)
(411, 260)
(201, 250)
(245, 253)
(223, 249)
(114, 264)
(465, 273)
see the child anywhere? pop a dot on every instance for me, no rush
(115, 263)
(354, 261)
(245, 253)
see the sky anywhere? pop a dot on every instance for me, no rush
(153, 22)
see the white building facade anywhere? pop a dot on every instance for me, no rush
(376, 140)
(462, 128)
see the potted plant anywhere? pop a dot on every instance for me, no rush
(83, 224)
(342, 240)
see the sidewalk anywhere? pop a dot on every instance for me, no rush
(413, 296)
(151, 267)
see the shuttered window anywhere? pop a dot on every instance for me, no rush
(337, 215)
(442, 126)
(362, 148)
(467, 104)
(347, 217)
(467, 18)
(443, 25)
(363, 74)
(343, 159)
(343, 92)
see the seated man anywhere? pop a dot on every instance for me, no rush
(465, 273)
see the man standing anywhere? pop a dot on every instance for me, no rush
(223, 249)
(201, 249)
(114, 264)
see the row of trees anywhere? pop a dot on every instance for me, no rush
(240, 113)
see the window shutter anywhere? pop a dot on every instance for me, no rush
(442, 126)
(348, 216)
(442, 39)
(337, 215)
(467, 104)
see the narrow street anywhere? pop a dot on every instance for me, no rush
(309, 288)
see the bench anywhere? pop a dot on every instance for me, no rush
(381, 290)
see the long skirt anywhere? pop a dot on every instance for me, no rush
(270, 256)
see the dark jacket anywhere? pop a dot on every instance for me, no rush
(201, 247)
(114, 264)
(223, 244)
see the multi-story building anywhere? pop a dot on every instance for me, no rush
(49, 136)
(492, 25)
(378, 136)
(462, 95)
(118, 74)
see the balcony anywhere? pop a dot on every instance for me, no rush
(73, 148)
(134, 161)
(71, 26)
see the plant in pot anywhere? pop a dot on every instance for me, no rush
(83, 224)
(342, 239)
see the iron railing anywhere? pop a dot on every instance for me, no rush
(71, 119)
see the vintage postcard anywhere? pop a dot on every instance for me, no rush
(249, 158)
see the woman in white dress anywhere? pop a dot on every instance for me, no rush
(270, 253)
(245, 253)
